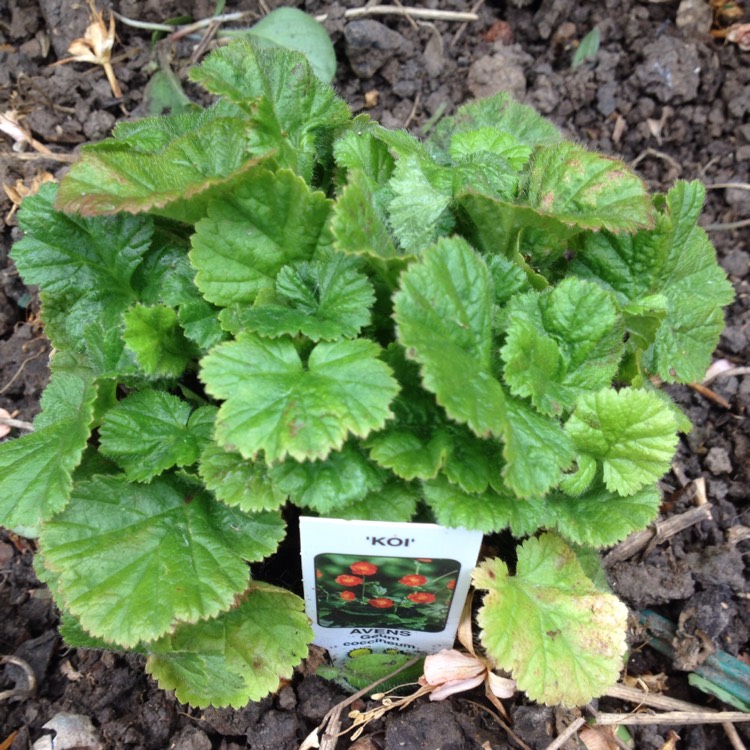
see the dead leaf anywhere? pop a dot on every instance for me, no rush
(95, 47)
(739, 34)
(598, 738)
(16, 193)
(371, 98)
(671, 742)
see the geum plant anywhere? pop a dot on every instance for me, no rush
(268, 301)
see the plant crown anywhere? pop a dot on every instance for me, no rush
(269, 300)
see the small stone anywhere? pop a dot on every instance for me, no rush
(736, 262)
(671, 70)
(504, 70)
(717, 461)
(369, 45)
(190, 738)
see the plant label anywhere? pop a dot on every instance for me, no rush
(385, 586)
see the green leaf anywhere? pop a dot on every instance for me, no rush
(237, 481)
(292, 112)
(238, 657)
(245, 240)
(561, 638)
(150, 431)
(599, 517)
(536, 450)
(155, 336)
(668, 283)
(85, 267)
(359, 225)
(279, 405)
(361, 150)
(696, 288)
(443, 312)
(36, 469)
(587, 190)
(561, 343)
(395, 501)
(342, 478)
(408, 455)
(160, 164)
(418, 212)
(134, 559)
(490, 140)
(293, 29)
(587, 49)
(487, 512)
(631, 433)
(501, 113)
(327, 299)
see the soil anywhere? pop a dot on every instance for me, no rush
(661, 93)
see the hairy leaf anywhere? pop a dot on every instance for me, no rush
(323, 486)
(587, 190)
(562, 639)
(327, 300)
(160, 554)
(599, 517)
(276, 404)
(155, 336)
(487, 512)
(150, 431)
(631, 433)
(561, 343)
(239, 482)
(396, 501)
(36, 469)
(245, 240)
(238, 657)
(161, 164)
(444, 312)
(292, 112)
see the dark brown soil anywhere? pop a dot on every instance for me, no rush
(673, 100)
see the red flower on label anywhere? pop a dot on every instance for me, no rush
(380, 603)
(363, 568)
(348, 596)
(423, 559)
(346, 580)
(413, 580)
(318, 573)
(451, 584)
(421, 597)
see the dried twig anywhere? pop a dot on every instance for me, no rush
(561, 739)
(462, 28)
(660, 531)
(329, 727)
(28, 156)
(424, 14)
(673, 717)
(727, 226)
(732, 371)
(732, 185)
(710, 395)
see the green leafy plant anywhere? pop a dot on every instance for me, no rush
(269, 300)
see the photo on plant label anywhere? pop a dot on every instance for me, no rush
(411, 593)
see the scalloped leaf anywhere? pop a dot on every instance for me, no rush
(562, 639)
(631, 433)
(487, 512)
(327, 300)
(85, 267)
(238, 657)
(587, 190)
(443, 313)
(156, 338)
(150, 431)
(237, 481)
(278, 404)
(245, 240)
(599, 517)
(36, 469)
(160, 552)
(396, 501)
(161, 164)
(292, 112)
(342, 478)
(563, 342)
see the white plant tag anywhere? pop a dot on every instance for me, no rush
(385, 586)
